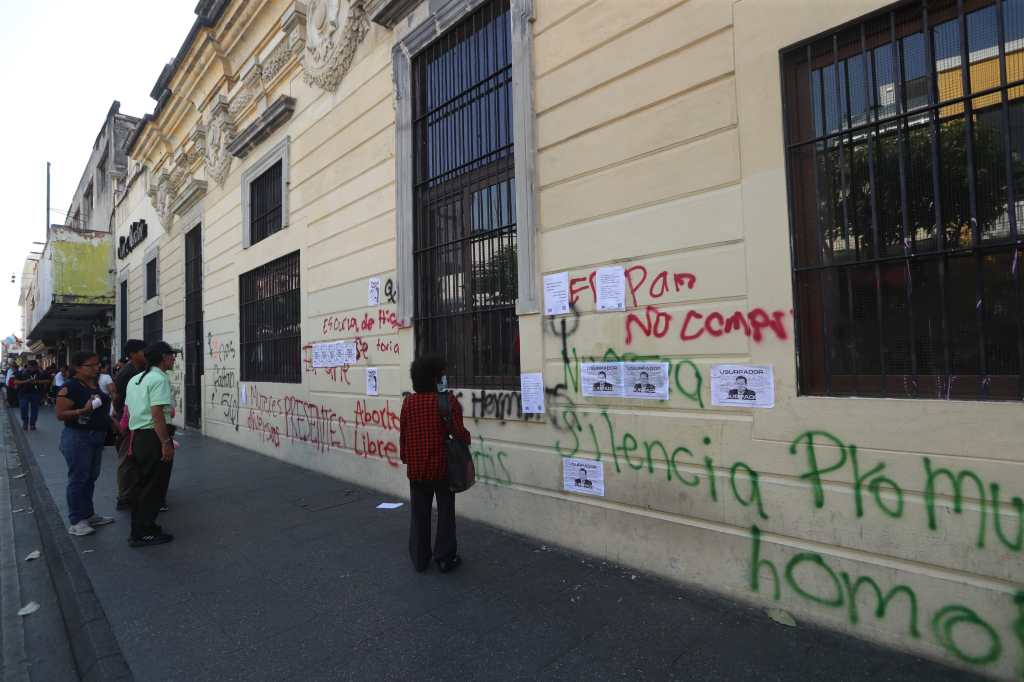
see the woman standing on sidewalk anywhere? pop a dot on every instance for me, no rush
(85, 411)
(422, 450)
(149, 400)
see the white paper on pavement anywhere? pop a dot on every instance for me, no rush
(334, 353)
(584, 476)
(531, 390)
(372, 388)
(389, 505)
(556, 293)
(373, 292)
(742, 386)
(601, 379)
(611, 288)
(646, 380)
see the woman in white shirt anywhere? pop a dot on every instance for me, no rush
(104, 380)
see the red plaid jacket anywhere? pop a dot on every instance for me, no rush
(422, 448)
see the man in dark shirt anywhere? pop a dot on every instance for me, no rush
(29, 382)
(126, 476)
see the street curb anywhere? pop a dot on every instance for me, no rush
(96, 652)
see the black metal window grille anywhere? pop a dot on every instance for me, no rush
(265, 194)
(153, 327)
(152, 286)
(270, 312)
(124, 315)
(464, 243)
(905, 164)
(193, 325)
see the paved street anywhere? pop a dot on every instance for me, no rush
(278, 573)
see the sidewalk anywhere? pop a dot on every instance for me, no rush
(278, 573)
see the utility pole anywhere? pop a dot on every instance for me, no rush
(47, 200)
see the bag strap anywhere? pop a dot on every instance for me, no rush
(445, 409)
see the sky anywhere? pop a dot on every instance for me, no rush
(62, 64)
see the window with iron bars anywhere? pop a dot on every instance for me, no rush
(464, 225)
(152, 285)
(270, 322)
(905, 165)
(153, 327)
(265, 204)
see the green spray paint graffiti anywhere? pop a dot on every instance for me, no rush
(956, 628)
(888, 495)
(490, 464)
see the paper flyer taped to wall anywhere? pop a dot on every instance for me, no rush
(742, 386)
(584, 476)
(601, 379)
(373, 292)
(531, 392)
(611, 288)
(372, 388)
(556, 293)
(334, 353)
(645, 380)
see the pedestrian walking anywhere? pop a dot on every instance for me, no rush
(12, 392)
(105, 380)
(422, 450)
(85, 411)
(29, 383)
(149, 401)
(134, 364)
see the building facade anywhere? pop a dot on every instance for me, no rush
(826, 196)
(67, 293)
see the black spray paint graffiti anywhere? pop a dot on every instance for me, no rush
(225, 393)
(390, 291)
(220, 350)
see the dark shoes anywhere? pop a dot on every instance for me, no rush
(448, 565)
(147, 540)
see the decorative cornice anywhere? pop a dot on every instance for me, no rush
(331, 41)
(388, 13)
(189, 196)
(269, 121)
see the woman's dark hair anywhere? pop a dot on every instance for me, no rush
(82, 357)
(426, 372)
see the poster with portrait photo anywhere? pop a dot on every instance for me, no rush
(742, 386)
(601, 379)
(372, 387)
(645, 380)
(584, 476)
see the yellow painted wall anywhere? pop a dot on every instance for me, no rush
(80, 269)
(660, 148)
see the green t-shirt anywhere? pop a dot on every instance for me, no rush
(144, 392)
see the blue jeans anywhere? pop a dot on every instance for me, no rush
(31, 400)
(83, 451)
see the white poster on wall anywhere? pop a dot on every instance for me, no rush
(556, 293)
(646, 380)
(372, 388)
(601, 379)
(742, 386)
(334, 353)
(373, 292)
(531, 390)
(585, 476)
(611, 288)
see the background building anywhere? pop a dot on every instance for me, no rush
(68, 298)
(807, 191)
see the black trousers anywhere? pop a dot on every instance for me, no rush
(152, 479)
(422, 494)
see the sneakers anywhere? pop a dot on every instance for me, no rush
(97, 520)
(81, 528)
(147, 540)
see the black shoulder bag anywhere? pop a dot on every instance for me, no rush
(461, 471)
